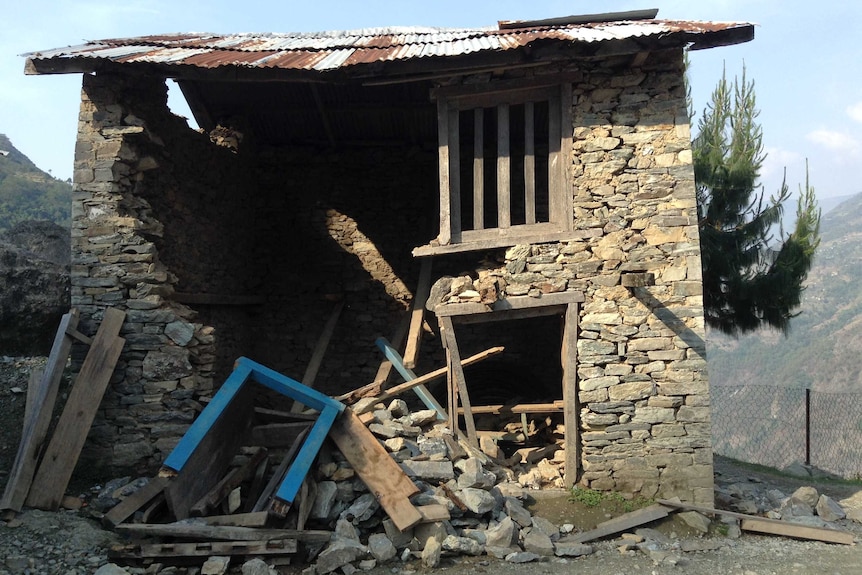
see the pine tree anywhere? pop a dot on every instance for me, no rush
(749, 280)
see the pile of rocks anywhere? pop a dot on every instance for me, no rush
(485, 500)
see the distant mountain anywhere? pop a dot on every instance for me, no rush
(28, 193)
(824, 348)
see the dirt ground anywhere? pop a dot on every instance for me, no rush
(747, 555)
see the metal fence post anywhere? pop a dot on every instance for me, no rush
(807, 426)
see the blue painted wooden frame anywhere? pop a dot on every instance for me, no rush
(246, 369)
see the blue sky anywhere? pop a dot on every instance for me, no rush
(805, 61)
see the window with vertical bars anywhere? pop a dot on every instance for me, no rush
(503, 160)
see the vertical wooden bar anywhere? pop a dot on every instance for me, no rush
(529, 164)
(504, 214)
(454, 174)
(571, 407)
(479, 169)
(417, 315)
(555, 161)
(445, 236)
(454, 361)
(566, 133)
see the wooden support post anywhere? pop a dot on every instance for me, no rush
(504, 200)
(72, 428)
(319, 351)
(571, 405)
(529, 164)
(478, 169)
(458, 379)
(417, 315)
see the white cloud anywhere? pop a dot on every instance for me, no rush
(838, 141)
(777, 159)
(855, 111)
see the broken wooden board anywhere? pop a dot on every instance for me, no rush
(383, 476)
(226, 430)
(417, 315)
(796, 531)
(128, 506)
(231, 481)
(771, 526)
(71, 431)
(189, 530)
(42, 398)
(258, 519)
(205, 549)
(622, 523)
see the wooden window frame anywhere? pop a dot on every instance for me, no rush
(451, 101)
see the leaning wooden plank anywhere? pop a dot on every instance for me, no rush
(420, 390)
(429, 377)
(128, 506)
(195, 530)
(279, 473)
(417, 315)
(231, 481)
(205, 549)
(211, 455)
(35, 428)
(623, 522)
(319, 351)
(771, 526)
(258, 482)
(81, 406)
(459, 382)
(377, 469)
(796, 531)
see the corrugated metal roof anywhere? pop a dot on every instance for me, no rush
(326, 51)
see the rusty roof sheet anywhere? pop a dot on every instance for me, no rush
(325, 51)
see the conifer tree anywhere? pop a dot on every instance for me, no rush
(750, 279)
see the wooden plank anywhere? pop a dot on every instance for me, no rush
(223, 431)
(510, 303)
(770, 526)
(43, 396)
(221, 532)
(509, 315)
(622, 523)
(429, 377)
(279, 473)
(446, 220)
(490, 99)
(432, 513)
(417, 315)
(78, 414)
(478, 168)
(571, 405)
(457, 377)
(205, 549)
(319, 351)
(501, 409)
(258, 482)
(529, 164)
(383, 476)
(384, 372)
(477, 240)
(258, 519)
(74, 333)
(796, 531)
(567, 208)
(234, 478)
(504, 199)
(455, 172)
(499, 87)
(556, 162)
(278, 434)
(128, 506)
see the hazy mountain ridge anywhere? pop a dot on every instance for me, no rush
(824, 347)
(28, 193)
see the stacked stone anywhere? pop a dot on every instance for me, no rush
(643, 388)
(168, 358)
(484, 500)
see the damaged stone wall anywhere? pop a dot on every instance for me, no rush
(264, 243)
(642, 385)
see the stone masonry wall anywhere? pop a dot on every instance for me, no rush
(642, 378)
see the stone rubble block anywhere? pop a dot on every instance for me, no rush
(381, 547)
(340, 552)
(462, 545)
(477, 501)
(828, 509)
(537, 542)
(433, 471)
(572, 549)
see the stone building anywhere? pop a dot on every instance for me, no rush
(548, 161)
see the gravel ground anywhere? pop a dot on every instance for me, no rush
(73, 543)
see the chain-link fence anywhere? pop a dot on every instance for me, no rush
(777, 426)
